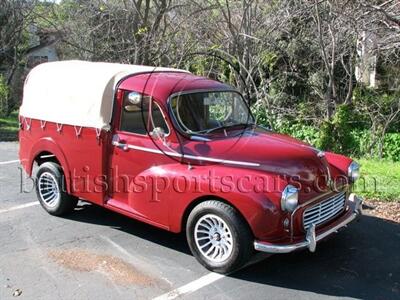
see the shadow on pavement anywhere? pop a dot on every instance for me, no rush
(93, 214)
(362, 261)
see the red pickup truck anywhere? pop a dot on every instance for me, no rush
(180, 152)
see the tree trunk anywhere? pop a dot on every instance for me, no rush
(367, 59)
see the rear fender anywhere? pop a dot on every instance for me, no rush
(47, 144)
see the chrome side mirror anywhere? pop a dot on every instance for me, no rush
(134, 101)
(135, 98)
(158, 134)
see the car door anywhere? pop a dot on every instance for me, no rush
(135, 185)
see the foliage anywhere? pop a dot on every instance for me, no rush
(378, 106)
(4, 94)
(335, 135)
(391, 148)
(359, 140)
(379, 180)
(15, 18)
(300, 131)
(9, 127)
(305, 66)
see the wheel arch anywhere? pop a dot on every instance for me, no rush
(204, 198)
(46, 150)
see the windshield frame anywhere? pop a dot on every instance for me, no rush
(182, 131)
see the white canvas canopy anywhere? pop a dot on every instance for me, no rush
(76, 93)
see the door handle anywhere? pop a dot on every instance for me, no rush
(123, 145)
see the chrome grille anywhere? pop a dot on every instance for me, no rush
(324, 210)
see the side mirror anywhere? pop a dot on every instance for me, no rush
(134, 98)
(134, 101)
(158, 134)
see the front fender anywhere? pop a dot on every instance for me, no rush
(256, 195)
(339, 161)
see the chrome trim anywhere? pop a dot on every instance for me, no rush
(311, 238)
(287, 192)
(303, 205)
(223, 161)
(324, 211)
(47, 156)
(213, 238)
(199, 138)
(350, 170)
(327, 194)
(175, 154)
(49, 190)
(328, 170)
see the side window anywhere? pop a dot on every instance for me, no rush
(135, 116)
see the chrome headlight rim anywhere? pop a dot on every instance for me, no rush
(353, 171)
(289, 198)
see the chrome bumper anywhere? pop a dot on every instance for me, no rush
(310, 242)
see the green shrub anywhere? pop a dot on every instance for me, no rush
(391, 146)
(362, 148)
(357, 142)
(302, 132)
(362, 141)
(336, 134)
(378, 104)
(346, 133)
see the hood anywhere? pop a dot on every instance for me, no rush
(269, 152)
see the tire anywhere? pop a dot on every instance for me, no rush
(50, 190)
(217, 224)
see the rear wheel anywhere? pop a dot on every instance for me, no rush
(50, 190)
(218, 236)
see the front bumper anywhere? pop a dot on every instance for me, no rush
(310, 242)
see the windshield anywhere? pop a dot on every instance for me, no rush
(206, 112)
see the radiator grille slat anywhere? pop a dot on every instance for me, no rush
(324, 210)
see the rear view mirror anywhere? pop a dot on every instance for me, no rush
(135, 100)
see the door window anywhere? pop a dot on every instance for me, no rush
(135, 117)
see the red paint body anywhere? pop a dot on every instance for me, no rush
(94, 162)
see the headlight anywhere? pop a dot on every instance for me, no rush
(290, 198)
(353, 171)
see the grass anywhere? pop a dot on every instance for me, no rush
(9, 127)
(380, 180)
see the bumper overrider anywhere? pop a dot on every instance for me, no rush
(311, 239)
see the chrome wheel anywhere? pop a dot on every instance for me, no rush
(213, 238)
(48, 189)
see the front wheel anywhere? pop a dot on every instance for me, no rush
(50, 190)
(218, 236)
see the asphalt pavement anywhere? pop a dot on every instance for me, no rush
(97, 254)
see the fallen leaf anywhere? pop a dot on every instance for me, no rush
(17, 293)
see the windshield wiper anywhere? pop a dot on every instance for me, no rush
(228, 126)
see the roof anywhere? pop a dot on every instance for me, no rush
(162, 84)
(47, 37)
(76, 92)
